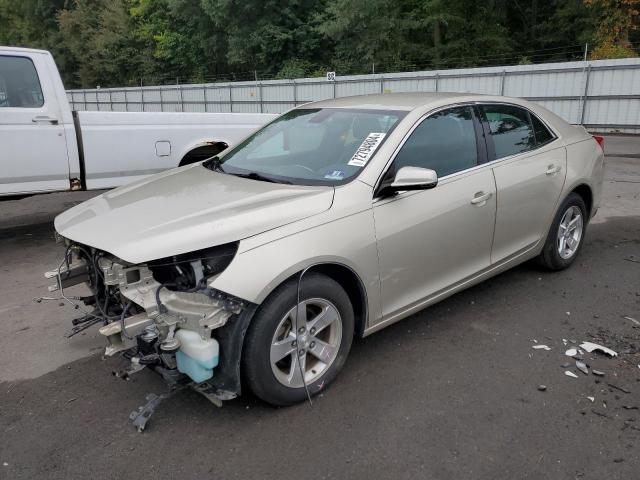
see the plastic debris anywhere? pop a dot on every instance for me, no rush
(565, 365)
(598, 373)
(582, 367)
(637, 322)
(570, 374)
(572, 352)
(590, 347)
(542, 388)
(541, 347)
(593, 399)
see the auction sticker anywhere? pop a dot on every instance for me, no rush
(366, 150)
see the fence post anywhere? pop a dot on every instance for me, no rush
(295, 93)
(230, 98)
(381, 83)
(141, 96)
(334, 88)
(437, 80)
(584, 98)
(502, 79)
(261, 103)
(204, 95)
(181, 98)
(126, 101)
(110, 101)
(84, 96)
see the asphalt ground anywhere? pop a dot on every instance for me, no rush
(450, 393)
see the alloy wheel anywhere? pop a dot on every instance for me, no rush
(313, 350)
(570, 232)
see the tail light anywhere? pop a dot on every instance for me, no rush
(600, 140)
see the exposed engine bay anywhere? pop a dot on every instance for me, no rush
(162, 314)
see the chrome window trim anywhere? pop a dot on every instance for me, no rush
(468, 170)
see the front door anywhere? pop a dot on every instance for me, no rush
(33, 147)
(429, 240)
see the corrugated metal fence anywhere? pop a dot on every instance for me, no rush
(602, 94)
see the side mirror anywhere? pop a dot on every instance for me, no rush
(412, 178)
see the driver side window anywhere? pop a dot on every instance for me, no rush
(444, 142)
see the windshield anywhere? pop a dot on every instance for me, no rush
(311, 146)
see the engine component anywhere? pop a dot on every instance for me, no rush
(197, 357)
(147, 340)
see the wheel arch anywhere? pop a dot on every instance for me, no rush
(346, 277)
(586, 193)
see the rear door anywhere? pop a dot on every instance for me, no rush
(529, 168)
(33, 149)
(430, 240)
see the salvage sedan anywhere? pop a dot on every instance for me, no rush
(258, 267)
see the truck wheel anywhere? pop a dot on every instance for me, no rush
(566, 234)
(274, 357)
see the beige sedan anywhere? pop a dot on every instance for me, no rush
(336, 219)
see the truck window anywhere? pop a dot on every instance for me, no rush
(19, 83)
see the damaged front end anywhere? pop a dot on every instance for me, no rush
(163, 314)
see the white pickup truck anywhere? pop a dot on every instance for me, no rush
(45, 146)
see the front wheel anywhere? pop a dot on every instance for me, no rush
(566, 235)
(277, 361)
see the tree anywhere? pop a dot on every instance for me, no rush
(99, 36)
(124, 42)
(263, 35)
(618, 20)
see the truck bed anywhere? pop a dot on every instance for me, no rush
(120, 147)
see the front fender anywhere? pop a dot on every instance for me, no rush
(349, 241)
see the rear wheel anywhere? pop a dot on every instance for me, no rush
(566, 235)
(277, 361)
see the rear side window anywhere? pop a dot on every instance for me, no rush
(510, 129)
(19, 83)
(444, 142)
(543, 135)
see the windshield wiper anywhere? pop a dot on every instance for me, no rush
(259, 176)
(214, 164)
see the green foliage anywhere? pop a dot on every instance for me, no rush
(125, 42)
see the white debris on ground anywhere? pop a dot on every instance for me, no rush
(590, 347)
(569, 373)
(541, 347)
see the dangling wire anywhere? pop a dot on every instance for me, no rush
(297, 354)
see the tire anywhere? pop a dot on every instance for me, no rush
(271, 335)
(551, 256)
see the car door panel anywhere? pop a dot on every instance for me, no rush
(529, 178)
(430, 240)
(528, 187)
(34, 148)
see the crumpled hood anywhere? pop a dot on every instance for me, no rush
(186, 209)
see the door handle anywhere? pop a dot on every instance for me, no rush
(45, 119)
(480, 198)
(552, 170)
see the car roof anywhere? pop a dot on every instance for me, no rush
(21, 49)
(392, 101)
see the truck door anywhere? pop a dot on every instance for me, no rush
(33, 148)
